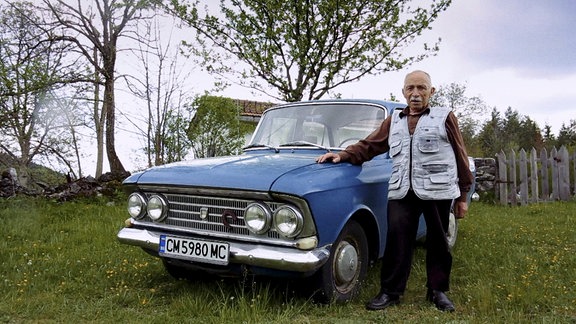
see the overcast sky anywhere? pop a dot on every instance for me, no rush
(511, 53)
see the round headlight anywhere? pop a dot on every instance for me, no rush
(136, 205)
(257, 218)
(288, 221)
(157, 208)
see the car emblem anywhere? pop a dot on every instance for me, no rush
(203, 213)
(228, 213)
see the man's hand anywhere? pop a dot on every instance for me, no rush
(335, 158)
(460, 209)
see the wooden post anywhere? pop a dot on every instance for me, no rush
(534, 175)
(563, 174)
(544, 171)
(554, 165)
(513, 181)
(523, 165)
(502, 180)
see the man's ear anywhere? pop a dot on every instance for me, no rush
(432, 91)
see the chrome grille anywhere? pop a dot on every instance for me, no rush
(184, 213)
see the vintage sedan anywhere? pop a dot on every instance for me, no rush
(273, 210)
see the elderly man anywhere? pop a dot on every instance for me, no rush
(430, 176)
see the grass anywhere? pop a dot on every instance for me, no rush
(62, 263)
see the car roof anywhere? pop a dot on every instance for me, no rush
(390, 105)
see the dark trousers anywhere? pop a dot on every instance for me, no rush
(403, 218)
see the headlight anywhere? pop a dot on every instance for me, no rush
(288, 221)
(157, 208)
(136, 205)
(257, 218)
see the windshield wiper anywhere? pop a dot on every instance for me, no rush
(256, 145)
(304, 143)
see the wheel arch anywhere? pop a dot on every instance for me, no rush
(371, 228)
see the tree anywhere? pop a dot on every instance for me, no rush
(305, 49)
(468, 110)
(175, 142)
(491, 137)
(513, 132)
(98, 27)
(549, 138)
(529, 135)
(567, 134)
(33, 70)
(161, 86)
(215, 129)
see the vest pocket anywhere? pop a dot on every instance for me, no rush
(395, 148)
(428, 144)
(395, 179)
(433, 168)
(394, 182)
(436, 182)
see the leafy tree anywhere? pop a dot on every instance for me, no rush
(215, 129)
(33, 69)
(468, 110)
(175, 141)
(304, 49)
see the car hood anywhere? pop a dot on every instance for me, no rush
(256, 172)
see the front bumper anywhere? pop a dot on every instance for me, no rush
(280, 258)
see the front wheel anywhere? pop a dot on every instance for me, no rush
(340, 278)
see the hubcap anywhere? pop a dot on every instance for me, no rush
(346, 265)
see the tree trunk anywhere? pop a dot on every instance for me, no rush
(109, 106)
(99, 121)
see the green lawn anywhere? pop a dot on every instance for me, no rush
(62, 263)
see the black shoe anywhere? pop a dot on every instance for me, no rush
(382, 301)
(440, 300)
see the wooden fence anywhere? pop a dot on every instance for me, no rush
(524, 178)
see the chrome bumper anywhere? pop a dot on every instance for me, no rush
(279, 258)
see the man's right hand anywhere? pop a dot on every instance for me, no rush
(335, 158)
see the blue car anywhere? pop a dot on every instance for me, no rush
(273, 210)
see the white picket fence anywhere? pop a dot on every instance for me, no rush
(528, 178)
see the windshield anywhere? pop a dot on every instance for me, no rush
(329, 125)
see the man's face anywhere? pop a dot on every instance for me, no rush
(417, 91)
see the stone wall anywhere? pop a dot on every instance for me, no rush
(486, 172)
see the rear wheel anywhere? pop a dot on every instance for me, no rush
(341, 277)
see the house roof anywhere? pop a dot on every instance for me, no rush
(251, 108)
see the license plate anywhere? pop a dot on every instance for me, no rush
(194, 250)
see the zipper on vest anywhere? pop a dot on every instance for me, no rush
(410, 168)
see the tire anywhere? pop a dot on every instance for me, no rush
(340, 279)
(452, 233)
